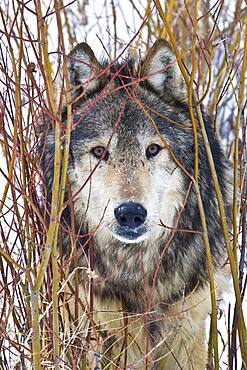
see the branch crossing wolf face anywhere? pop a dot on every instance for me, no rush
(130, 181)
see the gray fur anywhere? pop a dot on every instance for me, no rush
(125, 270)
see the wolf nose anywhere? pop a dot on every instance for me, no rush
(131, 215)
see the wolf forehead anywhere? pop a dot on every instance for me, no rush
(131, 97)
(127, 118)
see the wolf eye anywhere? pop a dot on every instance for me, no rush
(98, 151)
(152, 150)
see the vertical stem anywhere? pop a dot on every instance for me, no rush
(169, 7)
(115, 28)
(214, 332)
(55, 286)
(236, 139)
(51, 243)
(36, 334)
(58, 5)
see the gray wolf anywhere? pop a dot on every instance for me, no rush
(129, 192)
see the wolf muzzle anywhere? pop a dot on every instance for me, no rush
(130, 217)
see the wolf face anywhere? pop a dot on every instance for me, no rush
(136, 183)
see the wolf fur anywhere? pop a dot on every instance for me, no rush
(132, 149)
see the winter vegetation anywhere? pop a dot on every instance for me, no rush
(39, 329)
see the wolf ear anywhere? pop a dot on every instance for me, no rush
(161, 70)
(84, 69)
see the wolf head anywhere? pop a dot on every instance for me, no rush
(132, 157)
(118, 129)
